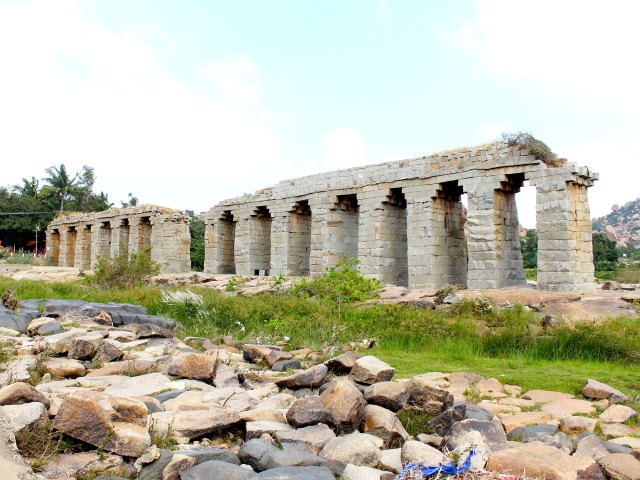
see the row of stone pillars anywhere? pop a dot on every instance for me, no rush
(83, 244)
(411, 235)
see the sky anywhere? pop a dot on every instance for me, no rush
(185, 104)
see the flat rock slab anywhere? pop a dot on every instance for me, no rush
(569, 406)
(524, 419)
(545, 396)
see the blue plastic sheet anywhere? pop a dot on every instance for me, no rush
(448, 469)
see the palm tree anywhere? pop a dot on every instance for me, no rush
(60, 183)
(29, 188)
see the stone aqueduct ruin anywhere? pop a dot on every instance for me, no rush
(404, 221)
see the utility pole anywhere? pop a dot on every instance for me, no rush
(37, 230)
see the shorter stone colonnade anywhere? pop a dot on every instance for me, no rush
(404, 221)
(80, 239)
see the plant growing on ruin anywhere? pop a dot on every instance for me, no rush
(340, 283)
(525, 140)
(235, 282)
(124, 271)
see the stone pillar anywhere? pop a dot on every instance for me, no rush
(170, 243)
(419, 236)
(220, 235)
(341, 229)
(495, 258)
(565, 248)
(83, 247)
(298, 240)
(210, 246)
(133, 242)
(242, 245)
(53, 245)
(279, 243)
(318, 259)
(63, 261)
(260, 224)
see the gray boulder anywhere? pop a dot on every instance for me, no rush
(216, 470)
(297, 473)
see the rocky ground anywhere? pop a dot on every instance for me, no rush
(96, 390)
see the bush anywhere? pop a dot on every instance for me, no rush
(124, 271)
(341, 283)
(524, 139)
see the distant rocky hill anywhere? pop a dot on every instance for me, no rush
(622, 225)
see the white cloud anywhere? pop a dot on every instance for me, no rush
(73, 92)
(238, 76)
(344, 148)
(585, 47)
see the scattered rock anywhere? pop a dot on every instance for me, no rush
(345, 404)
(24, 415)
(598, 390)
(369, 370)
(19, 393)
(312, 377)
(283, 365)
(197, 420)
(308, 411)
(356, 451)
(308, 439)
(384, 424)
(590, 447)
(43, 326)
(417, 452)
(64, 368)
(534, 460)
(423, 394)
(114, 424)
(618, 414)
(342, 363)
(621, 466)
(442, 424)
(545, 396)
(215, 469)
(573, 425)
(193, 365)
(148, 330)
(84, 347)
(390, 395)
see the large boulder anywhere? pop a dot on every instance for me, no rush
(193, 365)
(534, 460)
(598, 390)
(43, 326)
(618, 414)
(428, 397)
(310, 378)
(154, 469)
(370, 370)
(356, 450)
(308, 411)
(621, 466)
(18, 393)
(114, 424)
(485, 437)
(25, 415)
(342, 363)
(417, 452)
(12, 465)
(215, 469)
(384, 424)
(346, 405)
(195, 420)
(442, 424)
(390, 395)
(308, 439)
(84, 347)
(261, 455)
(64, 368)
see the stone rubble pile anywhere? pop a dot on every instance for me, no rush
(143, 404)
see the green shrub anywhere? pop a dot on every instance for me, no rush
(124, 271)
(341, 283)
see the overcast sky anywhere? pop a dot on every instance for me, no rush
(187, 103)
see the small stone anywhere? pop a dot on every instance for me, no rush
(257, 429)
(524, 419)
(392, 460)
(19, 393)
(354, 451)
(545, 396)
(573, 425)
(342, 363)
(24, 415)
(390, 395)
(312, 377)
(43, 326)
(193, 365)
(148, 330)
(590, 447)
(417, 452)
(598, 390)
(308, 411)
(107, 352)
(176, 465)
(369, 370)
(384, 424)
(84, 347)
(64, 368)
(621, 466)
(308, 439)
(345, 404)
(283, 365)
(618, 414)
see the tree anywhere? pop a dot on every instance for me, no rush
(29, 188)
(529, 245)
(132, 202)
(196, 229)
(605, 253)
(60, 184)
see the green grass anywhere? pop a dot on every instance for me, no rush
(509, 344)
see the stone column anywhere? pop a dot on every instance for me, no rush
(242, 245)
(116, 229)
(279, 242)
(170, 243)
(83, 247)
(134, 235)
(419, 236)
(565, 248)
(318, 259)
(495, 258)
(63, 261)
(210, 246)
